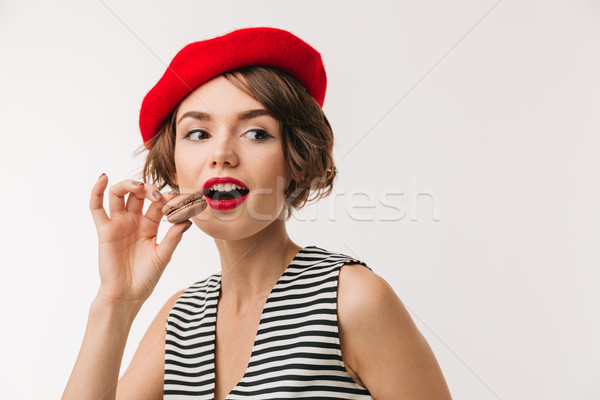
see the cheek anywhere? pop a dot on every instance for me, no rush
(278, 171)
(187, 165)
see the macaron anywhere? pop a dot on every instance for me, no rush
(184, 207)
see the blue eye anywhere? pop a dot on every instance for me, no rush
(260, 134)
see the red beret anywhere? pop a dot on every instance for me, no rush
(201, 61)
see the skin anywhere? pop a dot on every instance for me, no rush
(227, 147)
(252, 240)
(381, 346)
(130, 263)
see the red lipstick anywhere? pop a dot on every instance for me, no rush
(225, 200)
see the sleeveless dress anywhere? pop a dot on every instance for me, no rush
(296, 352)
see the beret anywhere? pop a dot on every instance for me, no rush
(201, 61)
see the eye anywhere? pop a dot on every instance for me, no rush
(260, 135)
(194, 134)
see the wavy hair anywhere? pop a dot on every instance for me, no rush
(307, 136)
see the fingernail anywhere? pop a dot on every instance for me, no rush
(137, 183)
(172, 193)
(186, 228)
(157, 194)
(101, 176)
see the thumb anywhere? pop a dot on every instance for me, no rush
(167, 246)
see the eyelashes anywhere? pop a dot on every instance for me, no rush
(193, 131)
(261, 134)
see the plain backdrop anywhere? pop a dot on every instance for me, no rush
(468, 155)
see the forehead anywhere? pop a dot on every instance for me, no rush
(218, 95)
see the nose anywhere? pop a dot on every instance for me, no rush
(224, 150)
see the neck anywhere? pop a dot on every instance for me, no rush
(251, 266)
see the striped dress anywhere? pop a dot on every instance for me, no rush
(296, 352)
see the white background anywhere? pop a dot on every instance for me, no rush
(491, 109)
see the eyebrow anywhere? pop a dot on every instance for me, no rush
(244, 115)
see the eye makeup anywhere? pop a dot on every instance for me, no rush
(264, 135)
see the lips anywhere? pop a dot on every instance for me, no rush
(223, 180)
(225, 200)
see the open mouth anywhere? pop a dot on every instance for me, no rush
(229, 195)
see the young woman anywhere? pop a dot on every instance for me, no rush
(280, 320)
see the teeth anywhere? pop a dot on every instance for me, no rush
(225, 187)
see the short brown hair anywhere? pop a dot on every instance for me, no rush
(306, 135)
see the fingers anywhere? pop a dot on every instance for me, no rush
(136, 193)
(96, 201)
(135, 200)
(154, 212)
(167, 246)
(117, 192)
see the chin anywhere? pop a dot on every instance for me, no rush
(231, 229)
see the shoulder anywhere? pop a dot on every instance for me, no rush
(363, 295)
(356, 280)
(380, 342)
(365, 298)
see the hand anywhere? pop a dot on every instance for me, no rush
(131, 262)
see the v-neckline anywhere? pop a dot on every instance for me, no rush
(217, 290)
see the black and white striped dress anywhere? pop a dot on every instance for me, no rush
(296, 353)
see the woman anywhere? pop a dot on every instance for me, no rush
(280, 320)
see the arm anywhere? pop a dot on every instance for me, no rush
(381, 343)
(97, 366)
(144, 378)
(131, 264)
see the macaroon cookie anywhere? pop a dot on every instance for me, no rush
(184, 207)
